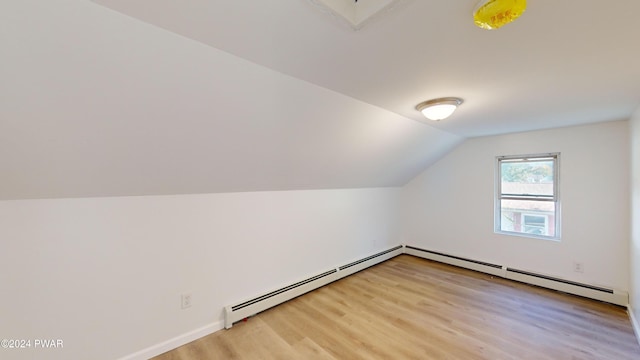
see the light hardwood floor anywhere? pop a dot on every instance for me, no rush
(411, 308)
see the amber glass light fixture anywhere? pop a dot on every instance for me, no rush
(493, 14)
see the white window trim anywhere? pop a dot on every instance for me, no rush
(498, 192)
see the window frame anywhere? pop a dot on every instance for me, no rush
(555, 197)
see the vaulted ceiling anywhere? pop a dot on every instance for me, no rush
(139, 97)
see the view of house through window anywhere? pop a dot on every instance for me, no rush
(527, 195)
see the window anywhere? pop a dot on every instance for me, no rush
(527, 202)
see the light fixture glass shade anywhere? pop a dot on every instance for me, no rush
(438, 112)
(439, 109)
(493, 14)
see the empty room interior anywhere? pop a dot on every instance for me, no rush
(276, 179)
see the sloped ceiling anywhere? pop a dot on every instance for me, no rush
(139, 97)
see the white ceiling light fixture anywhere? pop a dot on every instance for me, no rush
(439, 109)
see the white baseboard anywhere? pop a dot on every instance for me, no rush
(634, 323)
(176, 342)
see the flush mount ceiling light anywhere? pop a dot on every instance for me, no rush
(438, 109)
(493, 14)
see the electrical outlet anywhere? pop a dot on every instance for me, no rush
(186, 301)
(578, 267)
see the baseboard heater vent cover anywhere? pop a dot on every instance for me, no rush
(280, 291)
(466, 263)
(244, 309)
(571, 287)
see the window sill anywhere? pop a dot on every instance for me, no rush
(539, 237)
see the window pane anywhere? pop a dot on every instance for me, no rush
(527, 177)
(528, 217)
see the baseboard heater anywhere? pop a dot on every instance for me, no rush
(593, 292)
(571, 287)
(466, 263)
(244, 309)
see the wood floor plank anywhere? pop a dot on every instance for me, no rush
(411, 308)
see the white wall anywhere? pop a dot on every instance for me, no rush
(449, 207)
(635, 223)
(105, 274)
